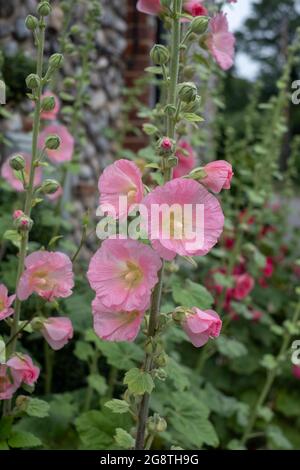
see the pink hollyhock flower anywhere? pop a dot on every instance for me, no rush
(200, 325)
(17, 214)
(65, 151)
(5, 303)
(115, 326)
(256, 315)
(180, 230)
(22, 369)
(195, 8)
(219, 176)
(122, 178)
(186, 159)
(48, 274)
(244, 284)
(58, 193)
(57, 331)
(13, 177)
(296, 372)
(269, 267)
(8, 383)
(150, 7)
(51, 115)
(123, 273)
(221, 42)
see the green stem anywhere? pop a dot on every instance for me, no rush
(271, 376)
(90, 391)
(156, 296)
(48, 368)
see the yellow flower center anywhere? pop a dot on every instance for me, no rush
(131, 195)
(133, 274)
(1, 305)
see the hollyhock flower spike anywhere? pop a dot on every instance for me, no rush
(123, 274)
(189, 235)
(5, 303)
(221, 42)
(22, 369)
(186, 159)
(13, 177)
(57, 331)
(114, 325)
(48, 274)
(219, 175)
(200, 325)
(8, 383)
(51, 115)
(122, 178)
(65, 151)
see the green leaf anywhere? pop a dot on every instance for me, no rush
(150, 129)
(190, 294)
(97, 383)
(5, 427)
(269, 362)
(124, 439)
(123, 356)
(277, 438)
(192, 117)
(83, 351)
(3, 445)
(2, 351)
(154, 70)
(138, 381)
(37, 408)
(235, 445)
(118, 406)
(231, 348)
(54, 240)
(22, 439)
(13, 236)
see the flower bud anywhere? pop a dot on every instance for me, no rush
(156, 424)
(24, 223)
(172, 162)
(52, 142)
(31, 22)
(161, 360)
(193, 106)
(166, 147)
(55, 61)
(197, 174)
(187, 91)
(44, 8)
(159, 54)
(199, 25)
(179, 314)
(33, 81)
(49, 186)
(17, 214)
(17, 162)
(48, 103)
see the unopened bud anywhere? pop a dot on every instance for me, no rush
(44, 9)
(52, 142)
(159, 54)
(48, 103)
(55, 61)
(187, 91)
(24, 223)
(49, 186)
(179, 315)
(156, 424)
(172, 162)
(193, 106)
(199, 25)
(33, 81)
(17, 162)
(161, 360)
(31, 22)
(166, 146)
(17, 214)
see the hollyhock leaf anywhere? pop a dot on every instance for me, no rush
(265, 413)
(13, 236)
(4, 445)
(235, 445)
(23, 439)
(191, 294)
(277, 438)
(37, 408)
(124, 439)
(192, 117)
(123, 356)
(83, 351)
(154, 70)
(2, 351)
(230, 348)
(149, 129)
(96, 382)
(178, 374)
(138, 381)
(269, 362)
(118, 406)
(288, 403)
(5, 427)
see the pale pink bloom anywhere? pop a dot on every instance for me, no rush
(22, 369)
(57, 331)
(5, 303)
(186, 159)
(150, 7)
(221, 42)
(48, 274)
(122, 178)
(184, 233)
(51, 115)
(200, 325)
(8, 383)
(123, 273)
(65, 151)
(115, 326)
(195, 8)
(13, 177)
(296, 372)
(58, 193)
(219, 175)
(17, 214)
(244, 284)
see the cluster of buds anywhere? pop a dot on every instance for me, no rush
(22, 222)
(156, 424)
